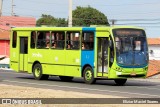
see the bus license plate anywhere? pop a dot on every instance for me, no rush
(133, 74)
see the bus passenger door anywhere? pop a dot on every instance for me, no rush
(102, 56)
(23, 56)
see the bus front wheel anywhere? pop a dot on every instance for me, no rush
(120, 82)
(88, 75)
(37, 72)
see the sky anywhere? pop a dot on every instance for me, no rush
(142, 13)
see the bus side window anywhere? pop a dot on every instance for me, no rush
(14, 39)
(57, 40)
(73, 40)
(88, 41)
(43, 40)
(39, 39)
(33, 39)
(47, 39)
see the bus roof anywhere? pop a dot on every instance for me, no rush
(72, 28)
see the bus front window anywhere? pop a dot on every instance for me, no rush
(131, 47)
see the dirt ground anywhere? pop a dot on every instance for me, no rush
(10, 91)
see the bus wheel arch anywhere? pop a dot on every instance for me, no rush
(84, 68)
(34, 64)
(88, 74)
(38, 71)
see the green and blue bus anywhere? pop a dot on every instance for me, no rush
(116, 53)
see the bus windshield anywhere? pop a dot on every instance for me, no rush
(131, 47)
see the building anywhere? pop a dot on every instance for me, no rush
(4, 40)
(154, 48)
(6, 22)
(154, 57)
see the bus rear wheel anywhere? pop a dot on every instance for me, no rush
(66, 78)
(120, 82)
(37, 72)
(88, 75)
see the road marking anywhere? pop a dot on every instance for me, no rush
(150, 88)
(81, 88)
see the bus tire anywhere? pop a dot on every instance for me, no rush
(66, 78)
(120, 82)
(88, 75)
(37, 72)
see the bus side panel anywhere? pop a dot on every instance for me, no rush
(14, 59)
(30, 67)
(14, 54)
(51, 60)
(52, 69)
(87, 56)
(73, 71)
(56, 62)
(14, 65)
(73, 61)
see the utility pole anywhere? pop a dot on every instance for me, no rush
(113, 22)
(12, 13)
(1, 3)
(70, 14)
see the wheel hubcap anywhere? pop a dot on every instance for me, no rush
(88, 75)
(37, 72)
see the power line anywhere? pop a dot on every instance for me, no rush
(157, 19)
(38, 10)
(156, 3)
(148, 26)
(138, 23)
(60, 4)
(46, 2)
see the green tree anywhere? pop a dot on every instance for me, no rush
(46, 20)
(61, 22)
(86, 16)
(49, 20)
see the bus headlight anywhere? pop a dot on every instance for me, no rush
(118, 69)
(118, 73)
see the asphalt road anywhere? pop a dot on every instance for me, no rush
(132, 89)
